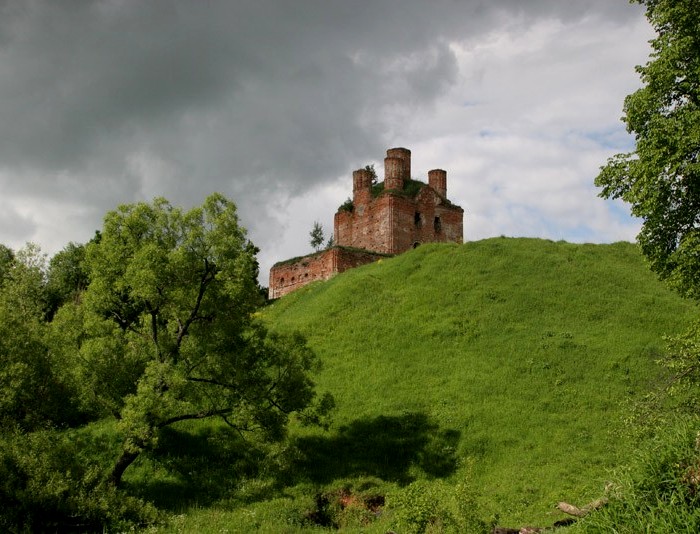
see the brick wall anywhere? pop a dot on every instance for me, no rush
(289, 275)
(393, 223)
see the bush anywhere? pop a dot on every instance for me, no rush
(348, 205)
(45, 485)
(421, 507)
(660, 490)
(436, 507)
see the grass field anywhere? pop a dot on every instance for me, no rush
(496, 373)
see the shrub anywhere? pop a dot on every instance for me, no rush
(45, 485)
(347, 206)
(420, 507)
(659, 491)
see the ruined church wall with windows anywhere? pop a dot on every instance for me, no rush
(380, 220)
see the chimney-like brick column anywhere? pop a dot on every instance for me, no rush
(404, 155)
(361, 187)
(437, 179)
(393, 168)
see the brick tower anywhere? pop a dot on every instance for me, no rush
(385, 219)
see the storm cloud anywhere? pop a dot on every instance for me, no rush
(273, 103)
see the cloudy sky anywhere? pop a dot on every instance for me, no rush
(275, 102)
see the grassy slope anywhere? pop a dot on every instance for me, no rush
(517, 353)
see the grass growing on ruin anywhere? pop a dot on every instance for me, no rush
(495, 373)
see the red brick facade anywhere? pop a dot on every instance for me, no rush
(383, 219)
(289, 275)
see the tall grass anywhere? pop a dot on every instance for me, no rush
(658, 491)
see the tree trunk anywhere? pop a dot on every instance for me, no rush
(581, 512)
(125, 460)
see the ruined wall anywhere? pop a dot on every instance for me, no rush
(368, 226)
(289, 275)
(424, 219)
(395, 222)
(400, 217)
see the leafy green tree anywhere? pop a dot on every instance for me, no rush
(661, 177)
(316, 235)
(168, 329)
(67, 277)
(6, 258)
(31, 391)
(373, 174)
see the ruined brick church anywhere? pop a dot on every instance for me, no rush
(382, 219)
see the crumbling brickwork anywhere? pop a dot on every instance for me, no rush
(292, 274)
(382, 219)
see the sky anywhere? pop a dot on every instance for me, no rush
(275, 102)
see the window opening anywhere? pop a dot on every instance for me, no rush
(417, 220)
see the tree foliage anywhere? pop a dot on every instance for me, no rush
(373, 174)
(32, 392)
(165, 331)
(7, 256)
(661, 177)
(67, 277)
(317, 237)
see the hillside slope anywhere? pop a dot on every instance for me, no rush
(520, 354)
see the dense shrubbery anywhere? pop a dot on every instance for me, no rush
(48, 484)
(659, 490)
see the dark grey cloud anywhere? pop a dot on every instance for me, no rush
(108, 101)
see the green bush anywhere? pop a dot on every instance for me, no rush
(660, 490)
(421, 507)
(45, 485)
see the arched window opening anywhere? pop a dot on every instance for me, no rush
(437, 225)
(418, 220)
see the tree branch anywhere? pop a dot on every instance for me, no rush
(189, 416)
(207, 277)
(212, 382)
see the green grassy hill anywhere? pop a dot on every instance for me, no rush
(477, 381)
(515, 355)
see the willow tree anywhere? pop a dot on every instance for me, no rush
(167, 333)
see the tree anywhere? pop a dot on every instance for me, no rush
(67, 277)
(316, 235)
(31, 392)
(7, 256)
(168, 332)
(372, 173)
(661, 177)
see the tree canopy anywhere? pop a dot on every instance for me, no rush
(31, 391)
(166, 332)
(661, 177)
